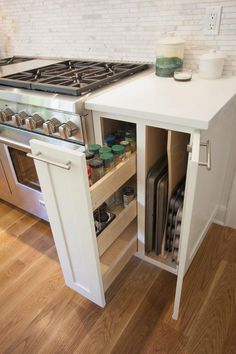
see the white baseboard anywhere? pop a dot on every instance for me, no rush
(217, 217)
(203, 234)
(220, 214)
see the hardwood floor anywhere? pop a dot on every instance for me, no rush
(39, 314)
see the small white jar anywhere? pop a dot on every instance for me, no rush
(211, 65)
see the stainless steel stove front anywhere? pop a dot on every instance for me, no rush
(19, 184)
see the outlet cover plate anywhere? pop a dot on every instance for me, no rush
(212, 20)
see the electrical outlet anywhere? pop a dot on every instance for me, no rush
(212, 20)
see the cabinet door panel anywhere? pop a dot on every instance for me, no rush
(188, 216)
(68, 203)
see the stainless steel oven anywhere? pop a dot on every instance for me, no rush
(19, 184)
(19, 180)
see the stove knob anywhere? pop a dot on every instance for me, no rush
(18, 119)
(68, 129)
(34, 122)
(6, 114)
(51, 126)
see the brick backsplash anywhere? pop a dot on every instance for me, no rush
(113, 29)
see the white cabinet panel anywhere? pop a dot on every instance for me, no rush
(67, 198)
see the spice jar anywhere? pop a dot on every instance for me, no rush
(109, 140)
(118, 151)
(130, 137)
(128, 195)
(94, 148)
(108, 161)
(120, 134)
(104, 150)
(118, 196)
(97, 170)
(101, 218)
(127, 147)
(89, 156)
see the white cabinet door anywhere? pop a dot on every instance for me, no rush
(64, 182)
(204, 188)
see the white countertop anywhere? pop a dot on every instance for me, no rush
(193, 104)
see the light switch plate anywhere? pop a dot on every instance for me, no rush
(212, 20)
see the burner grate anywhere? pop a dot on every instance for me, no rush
(72, 77)
(13, 60)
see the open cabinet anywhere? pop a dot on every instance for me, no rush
(90, 263)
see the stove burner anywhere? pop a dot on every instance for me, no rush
(13, 60)
(72, 77)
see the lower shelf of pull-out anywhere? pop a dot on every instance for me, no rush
(123, 218)
(118, 254)
(163, 262)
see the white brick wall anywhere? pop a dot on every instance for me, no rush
(113, 29)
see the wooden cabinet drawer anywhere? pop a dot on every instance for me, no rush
(118, 254)
(124, 216)
(112, 181)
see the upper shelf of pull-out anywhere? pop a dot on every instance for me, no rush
(190, 104)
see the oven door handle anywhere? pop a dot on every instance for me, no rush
(38, 157)
(14, 144)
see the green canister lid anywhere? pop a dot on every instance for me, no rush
(104, 150)
(118, 149)
(107, 157)
(94, 148)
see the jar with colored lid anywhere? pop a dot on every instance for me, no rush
(108, 161)
(118, 151)
(120, 134)
(94, 148)
(97, 170)
(169, 55)
(127, 147)
(109, 140)
(104, 150)
(130, 137)
(128, 195)
(89, 156)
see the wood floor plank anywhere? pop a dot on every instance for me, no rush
(219, 245)
(110, 325)
(25, 240)
(65, 316)
(212, 324)
(229, 346)
(147, 316)
(35, 298)
(39, 314)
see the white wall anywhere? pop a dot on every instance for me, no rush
(112, 29)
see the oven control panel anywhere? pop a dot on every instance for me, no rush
(56, 124)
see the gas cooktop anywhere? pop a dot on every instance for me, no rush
(13, 60)
(72, 77)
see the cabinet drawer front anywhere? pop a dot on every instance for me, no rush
(68, 203)
(112, 181)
